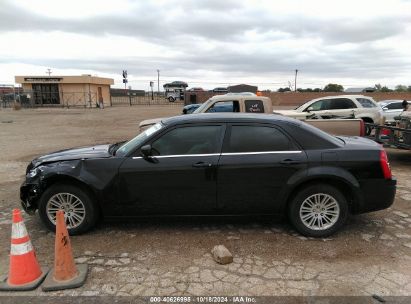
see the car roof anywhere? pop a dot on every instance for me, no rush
(231, 96)
(391, 100)
(342, 96)
(229, 117)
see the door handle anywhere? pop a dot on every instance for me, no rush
(289, 161)
(202, 165)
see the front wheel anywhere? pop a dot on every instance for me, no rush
(171, 99)
(79, 209)
(318, 210)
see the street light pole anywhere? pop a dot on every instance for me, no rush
(295, 81)
(158, 82)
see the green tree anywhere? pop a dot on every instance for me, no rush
(379, 88)
(283, 90)
(333, 87)
(385, 89)
(401, 88)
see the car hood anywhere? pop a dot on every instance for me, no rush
(100, 151)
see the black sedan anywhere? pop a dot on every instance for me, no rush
(215, 164)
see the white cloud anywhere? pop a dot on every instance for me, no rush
(210, 43)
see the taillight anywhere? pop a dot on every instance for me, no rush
(362, 128)
(385, 166)
(385, 131)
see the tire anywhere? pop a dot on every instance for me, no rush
(83, 220)
(171, 99)
(333, 215)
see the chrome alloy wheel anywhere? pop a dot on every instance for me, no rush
(319, 211)
(73, 207)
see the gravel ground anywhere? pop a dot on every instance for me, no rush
(371, 255)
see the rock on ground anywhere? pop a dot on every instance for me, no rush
(222, 255)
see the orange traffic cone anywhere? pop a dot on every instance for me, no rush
(65, 274)
(24, 272)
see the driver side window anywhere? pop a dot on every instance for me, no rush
(224, 106)
(319, 105)
(188, 140)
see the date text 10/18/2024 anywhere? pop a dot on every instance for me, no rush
(205, 299)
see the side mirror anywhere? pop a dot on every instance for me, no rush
(146, 151)
(384, 108)
(309, 109)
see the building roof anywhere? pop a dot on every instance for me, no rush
(88, 79)
(359, 90)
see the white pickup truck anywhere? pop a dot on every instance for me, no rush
(251, 103)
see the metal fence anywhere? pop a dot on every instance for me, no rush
(143, 101)
(33, 99)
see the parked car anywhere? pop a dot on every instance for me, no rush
(359, 106)
(215, 164)
(196, 90)
(251, 103)
(391, 109)
(190, 108)
(220, 90)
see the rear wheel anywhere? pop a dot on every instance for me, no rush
(318, 210)
(79, 209)
(171, 99)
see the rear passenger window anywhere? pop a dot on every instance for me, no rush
(254, 106)
(394, 106)
(257, 139)
(341, 104)
(366, 103)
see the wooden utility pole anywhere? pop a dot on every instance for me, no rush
(295, 81)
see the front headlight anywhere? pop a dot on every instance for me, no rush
(33, 172)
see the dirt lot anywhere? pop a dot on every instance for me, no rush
(371, 255)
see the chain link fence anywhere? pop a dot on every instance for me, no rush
(144, 101)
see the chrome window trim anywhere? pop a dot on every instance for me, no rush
(257, 153)
(223, 154)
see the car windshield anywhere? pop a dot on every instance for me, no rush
(138, 140)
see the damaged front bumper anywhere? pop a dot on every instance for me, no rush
(29, 196)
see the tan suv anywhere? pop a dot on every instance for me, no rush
(236, 102)
(231, 102)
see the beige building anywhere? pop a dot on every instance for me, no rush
(84, 90)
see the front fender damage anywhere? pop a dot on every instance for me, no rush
(38, 179)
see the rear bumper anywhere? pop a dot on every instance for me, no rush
(377, 194)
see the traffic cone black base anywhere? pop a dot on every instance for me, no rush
(50, 284)
(5, 286)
